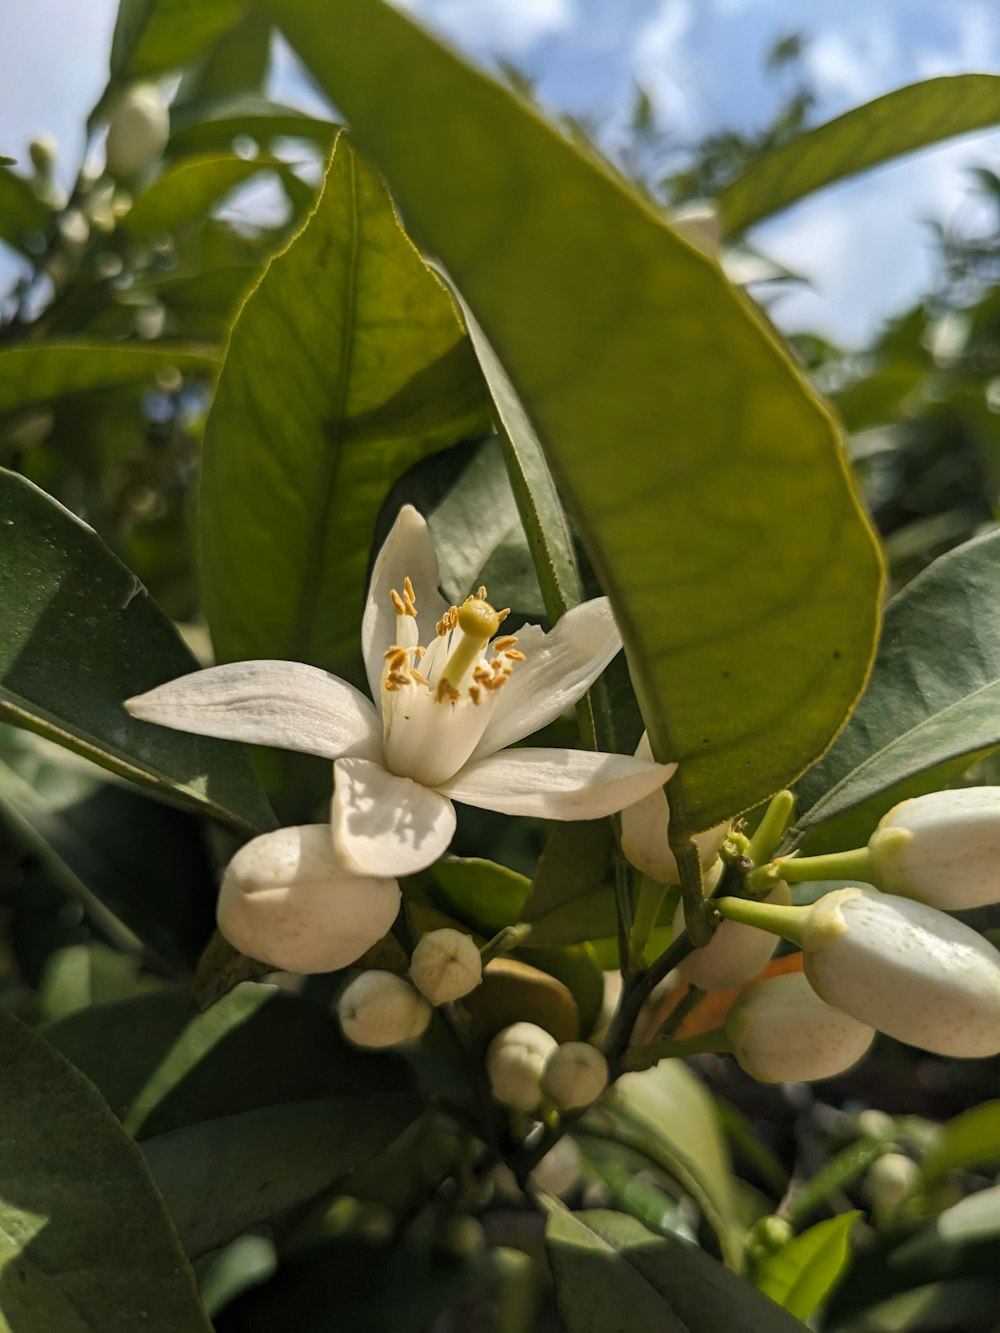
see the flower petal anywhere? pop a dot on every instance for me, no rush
(559, 669)
(556, 784)
(646, 833)
(408, 552)
(384, 824)
(286, 704)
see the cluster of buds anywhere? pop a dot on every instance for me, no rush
(527, 1066)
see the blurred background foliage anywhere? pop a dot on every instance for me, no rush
(157, 264)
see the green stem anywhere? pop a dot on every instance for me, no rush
(634, 996)
(680, 1012)
(623, 914)
(788, 922)
(697, 913)
(642, 1057)
(647, 909)
(853, 865)
(768, 833)
(511, 937)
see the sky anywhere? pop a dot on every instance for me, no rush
(864, 246)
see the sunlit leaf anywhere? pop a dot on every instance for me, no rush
(22, 214)
(972, 1139)
(803, 1272)
(186, 192)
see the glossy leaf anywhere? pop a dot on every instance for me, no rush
(972, 1139)
(837, 1173)
(85, 1244)
(185, 193)
(316, 415)
(238, 61)
(801, 1275)
(901, 122)
(21, 211)
(212, 127)
(480, 893)
(572, 894)
(80, 636)
(688, 447)
(972, 1220)
(82, 975)
(95, 838)
(610, 1271)
(43, 373)
(934, 693)
(154, 36)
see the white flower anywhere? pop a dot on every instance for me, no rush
(942, 848)
(139, 130)
(645, 833)
(735, 954)
(450, 702)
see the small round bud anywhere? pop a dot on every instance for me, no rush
(645, 833)
(780, 1031)
(515, 1059)
(478, 619)
(380, 1009)
(559, 1170)
(287, 900)
(74, 229)
(575, 1075)
(735, 954)
(43, 151)
(874, 1123)
(138, 132)
(942, 849)
(446, 965)
(891, 1180)
(910, 971)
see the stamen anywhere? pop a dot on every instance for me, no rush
(408, 590)
(398, 658)
(398, 602)
(448, 621)
(407, 604)
(480, 593)
(475, 694)
(419, 675)
(515, 655)
(446, 690)
(504, 642)
(418, 652)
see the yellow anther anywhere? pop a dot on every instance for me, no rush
(514, 655)
(475, 694)
(419, 675)
(398, 602)
(446, 690)
(398, 658)
(408, 591)
(407, 604)
(398, 678)
(448, 621)
(507, 641)
(481, 593)
(478, 619)
(418, 652)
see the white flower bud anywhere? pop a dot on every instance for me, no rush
(575, 1075)
(700, 225)
(138, 132)
(559, 1170)
(735, 954)
(645, 840)
(891, 1180)
(942, 849)
(446, 965)
(380, 1009)
(74, 230)
(287, 900)
(780, 1031)
(43, 151)
(910, 971)
(515, 1059)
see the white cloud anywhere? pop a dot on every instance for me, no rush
(858, 63)
(662, 64)
(975, 48)
(496, 27)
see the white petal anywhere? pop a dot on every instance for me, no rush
(556, 784)
(385, 825)
(285, 704)
(408, 552)
(560, 668)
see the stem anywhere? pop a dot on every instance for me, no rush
(697, 913)
(680, 1011)
(623, 915)
(647, 908)
(642, 1057)
(634, 997)
(511, 937)
(856, 864)
(788, 922)
(771, 827)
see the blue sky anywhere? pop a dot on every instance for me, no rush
(864, 245)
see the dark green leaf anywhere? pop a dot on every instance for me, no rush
(237, 62)
(934, 694)
(212, 127)
(186, 192)
(85, 1245)
(21, 211)
(80, 636)
(972, 1139)
(898, 123)
(84, 974)
(611, 1272)
(480, 893)
(572, 895)
(317, 413)
(154, 36)
(803, 1273)
(837, 1173)
(687, 445)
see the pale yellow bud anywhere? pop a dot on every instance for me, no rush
(942, 849)
(138, 132)
(891, 1180)
(735, 954)
(379, 1009)
(515, 1060)
(575, 1075)
(645, 834)
(446, 965)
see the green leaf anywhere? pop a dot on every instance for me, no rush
(804, 1271)
(82, 975)
(972, 1139)
(211, 127)
(611, 1272)
(971, 1221)
(238, 61)
(934, 693)
(132, 862)
(185, 193)
(43, 373)
(665, 1114)
(21, 211)
(572, 894)
(837, 1173)
(900, 122)
(479, 893)
(84, 1241)
(686, 444)
(316, 415)
(154, 36)
(80, 636)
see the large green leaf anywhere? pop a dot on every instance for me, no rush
(803, 1272)
(934, 694)
(346, 366)
(120, 854)
(212, 127)
(611, 1273)
(42, 373)
(80, 635)
(972, 1139)
(21, 211)
(185, 193)
(898, 123)
(153, 36)
(687, 445)
(85, 1245)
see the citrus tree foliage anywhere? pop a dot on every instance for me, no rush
(469, 351)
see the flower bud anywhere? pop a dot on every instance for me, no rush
(645, 840)
(559, 1170)
(515, 1059)
(43, 151)
(138, 132)
(700, 225)
(446, 965)
(575, 1075)
(891, 1180)
(910, 971)
(735, 954)
(942, 849)
(780, 1031)
(287, 900)
(380, 1009)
